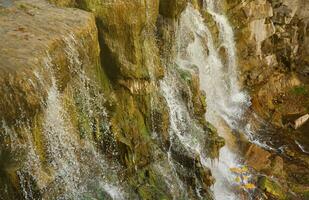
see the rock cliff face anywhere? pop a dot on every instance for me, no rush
(94, 106)
(272, 39)
(272, 42)
(81, 98)
(42, 67)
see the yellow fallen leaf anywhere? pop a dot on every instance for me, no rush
(237, 179)
(239, 170)
(236, 170)
(244, 169)
(249, 186)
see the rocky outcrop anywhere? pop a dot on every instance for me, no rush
(272, 188)
(82, 90)
(93, 82)
(271, 39)
(21, 92)
(41, 63)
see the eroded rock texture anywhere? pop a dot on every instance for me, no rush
(272, 42)
(85, 111)
(82, 112)
(273, 54)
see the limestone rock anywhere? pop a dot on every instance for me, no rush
(259, 9)
(35, 39)
(257, 158)
(277, 166)
(126, 38)
(29, 31)
(271, 40)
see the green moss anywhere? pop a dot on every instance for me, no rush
(38, 139)
(26, 6)
(150, 185)
(203, 100)
(299, 90)
(63, 3)
(306, 195)
(185, 75)
(272, 187)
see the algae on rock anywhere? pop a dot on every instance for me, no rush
(67, 67)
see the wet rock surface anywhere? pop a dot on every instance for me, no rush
(257, 158)
(60, 68)
(271, 41)
(6, 3)
(35, 71)
(29, 29)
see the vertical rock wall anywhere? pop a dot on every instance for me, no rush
(67, 67)
(273, 53)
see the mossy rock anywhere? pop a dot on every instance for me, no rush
(151, 185)
(172, 8)
(272, 187)
(124, 37)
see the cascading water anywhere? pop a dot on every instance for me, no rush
(72, 167)
(236, 101)
(182, 127)
(179, 117)
(226, 102)
(74, 162)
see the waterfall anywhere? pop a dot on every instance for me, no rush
(237, 100)
(179, 122)
(79, 167)
(61, 141)
(226, 103)
(72, 166)
(226, 35)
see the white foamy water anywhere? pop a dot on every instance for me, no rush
(181, 124)
(225, 100)
(65, 150)
(61, 141)
(78, 164)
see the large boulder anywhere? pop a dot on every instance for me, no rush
(257, 158)
(126, 30)
(43, 50)
(31, 31)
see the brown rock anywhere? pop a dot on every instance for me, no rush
(277, 166)
(257, 158)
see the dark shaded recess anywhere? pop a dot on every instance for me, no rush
(171, 8)
(7, 189)
(182, 158)
(108, 60)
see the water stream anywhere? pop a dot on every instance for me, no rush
(182, 128)
(72, 167)
(226, 103)
(79, 170)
